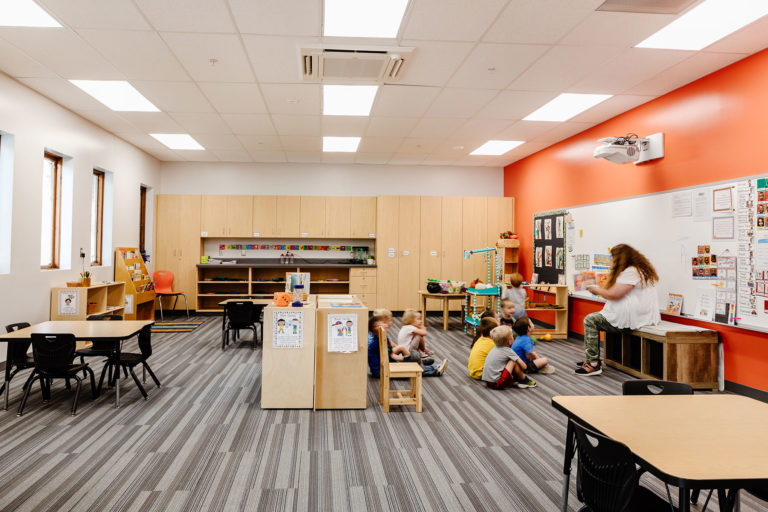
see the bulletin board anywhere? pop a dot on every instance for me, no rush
(708, 244)
(549, 247)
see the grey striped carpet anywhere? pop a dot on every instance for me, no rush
(201, 442)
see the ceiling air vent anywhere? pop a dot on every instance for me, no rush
(347, 64)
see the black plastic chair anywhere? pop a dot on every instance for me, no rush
(241, 315)
(655, 387)
(130, 360)
(53, 354)
(17, 359)
(100, 348)
(607, 478)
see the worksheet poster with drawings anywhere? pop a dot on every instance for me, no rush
(549, 248)
(342, 333)
(68, 302)
(287, 327)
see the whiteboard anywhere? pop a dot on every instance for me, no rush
(669, 228)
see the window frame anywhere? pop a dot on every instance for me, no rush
(56, 234)
(97, 255)
(142, 218)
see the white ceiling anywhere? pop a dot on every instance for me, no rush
(478, 68)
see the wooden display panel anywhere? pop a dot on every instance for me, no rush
(213, 220)
(509, 250)
(474, 218)
(341, 379)
(288, 374)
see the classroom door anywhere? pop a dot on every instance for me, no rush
(409, 233)
(430, 252)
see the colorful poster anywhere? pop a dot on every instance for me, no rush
(602, 260)
(68, 302)
(287, 329)
(342, 333)
(548, 256)
(537, 229)
(674, 304)
(547, 229)
(539, 258)
(559, 227)
(559, 258)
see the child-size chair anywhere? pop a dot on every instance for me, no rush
(164, 288)
(412, 371)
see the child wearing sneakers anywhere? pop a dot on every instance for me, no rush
(503, 368)
(523, 347)
(411, 335)
(481, 346)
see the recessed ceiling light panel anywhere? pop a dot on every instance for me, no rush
(118, 95)
(706, 23)
(340, 144)
(178, 141)
(348, 100)
(24, 13)
(363, 18)
(497, 147)
(566, 106)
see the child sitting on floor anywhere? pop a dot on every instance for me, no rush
(411, 335)
(481, 345)
(523, 347)
(503, 368)
(508, 310)
(516, 293)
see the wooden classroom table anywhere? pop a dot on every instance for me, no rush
(446, 298)
(83, 330)
(689, 441)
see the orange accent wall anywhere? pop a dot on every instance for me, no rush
(714, 129)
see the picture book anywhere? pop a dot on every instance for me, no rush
(674, 304)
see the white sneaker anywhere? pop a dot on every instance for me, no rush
(547, 370)
(441, 367)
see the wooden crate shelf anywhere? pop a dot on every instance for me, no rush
(131, 270)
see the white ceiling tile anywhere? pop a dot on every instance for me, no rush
(417, 146)
(494, 66)
(16, 63)
(297, 125)
(379, 144)
(748, 40)
(195, 52)
(301, 143)
(260, 143)
(249, 124)
(188, 15)
(390, 126)
(201, 122)
(439, 160)
(616, 28)
(433, 63)
(611, 108)
(338, 158)
(539, 22)
(482, 128)
(526, 130)
(435, 127)
(276, 59)
(218, 141)
(143, 141)
(296, 99)
(403, 100)
(113, 15)
(62, 92)
(372, 158)
(152, 122)
(268, 156)
(62, 51)
(692, 68)
(108, 120)
(234, 98)
(344, 126)
(562, 131)
(164, 155)
(451, 20)
(174, 96)
(628, 69)
(561, 66)
(238, 155)
(139, 55)
(514, 105)
(406, 159)
(304, 157)
(460, 102)
(191, 155)
(278, 17)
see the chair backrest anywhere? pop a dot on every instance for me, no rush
(383, 354)
(53, 352)
(242, 314)
(655, 387)
(145, 341)
(105, 316)
(163, 281)
(606, 475)
(17, 350)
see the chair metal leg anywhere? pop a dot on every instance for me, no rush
(117, 387)
(175, 300)
(26, 394)
(94, 391)
(77, 394)
(7, 388)
(144, 373)
(138, 384)
(160, 303)
(186, 304)
(151, 373)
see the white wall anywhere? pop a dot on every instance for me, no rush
(329, 179)
(36, 124)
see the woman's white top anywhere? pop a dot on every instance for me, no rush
(637, 308)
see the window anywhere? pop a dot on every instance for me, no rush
(97, 216)
(6, 200)
(50, 234)
(142, 219)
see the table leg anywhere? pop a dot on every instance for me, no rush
(445, 313)
(570, 448)
(728, 500)
(684, 502)
(424, 309)
(7, 389)
(117, 386)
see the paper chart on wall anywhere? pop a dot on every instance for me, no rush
(342, 333)
(68, 302)
(287, 327)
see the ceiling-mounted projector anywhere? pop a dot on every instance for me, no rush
(631, 148)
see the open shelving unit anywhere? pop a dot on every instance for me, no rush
(542, 302)
(130, 269)
(86, 301)
(509, 248)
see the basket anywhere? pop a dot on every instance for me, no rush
(92, 308)
(73, 284)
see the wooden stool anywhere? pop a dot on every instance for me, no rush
(389, 370)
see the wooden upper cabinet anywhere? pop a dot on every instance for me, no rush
(264, 220)
(500, 217)
(338, 217)
(474, 233)
(312, 219)
(409, 234)
(214, 216)
(363, 217)
(240, 216)
(288, 217)
(451, 239)
(430, 252)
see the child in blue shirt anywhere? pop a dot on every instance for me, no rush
(524, 348)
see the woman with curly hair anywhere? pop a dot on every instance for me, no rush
(630, 302)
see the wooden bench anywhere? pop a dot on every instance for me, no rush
(668, 351)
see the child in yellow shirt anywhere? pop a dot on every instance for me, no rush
(481, 346)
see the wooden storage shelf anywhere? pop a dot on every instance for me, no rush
(543, 293)
(139, 302)
(509, 248)
(86, 301)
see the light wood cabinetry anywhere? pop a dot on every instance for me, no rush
(474, 232)
(501, 217)
(288, 217)
(510, 249)
(431, 246)
(213, 221)
(362, 282)
(312, 218)
(240, 216)
(408, 254)
(130, 269)
(264, 221)
(226, 216)
(338, 217)
(177, 241)
(363, 217)
(387, 226)
(452, 249)
(78, 303)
